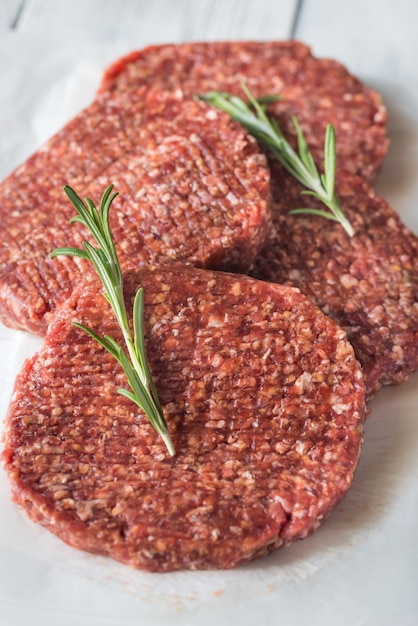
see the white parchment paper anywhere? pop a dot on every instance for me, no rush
(360, 568)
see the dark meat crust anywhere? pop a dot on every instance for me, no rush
(264, 401)
(193, 187)
(368, 283)
(317, 91)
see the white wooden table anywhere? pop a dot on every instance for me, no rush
(361, 568)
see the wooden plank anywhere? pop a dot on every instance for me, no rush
(9, 12)
(141, 22)
(375, 38)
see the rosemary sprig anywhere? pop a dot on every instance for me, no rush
(105, 261)
(253, 117)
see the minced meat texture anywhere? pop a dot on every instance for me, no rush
(264, 401)
(367, 283)
(193, 187)
(317, 91)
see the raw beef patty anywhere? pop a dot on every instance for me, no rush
(193, 187)
(367, 283)
(317, 91)
(264, 401)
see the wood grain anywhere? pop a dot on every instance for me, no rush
(9, 12)
(142, 22)
(376, 38)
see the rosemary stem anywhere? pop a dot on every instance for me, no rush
(300, 165)
(134, 362)
(168, 443)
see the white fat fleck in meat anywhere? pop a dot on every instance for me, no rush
(212, 114)
(217, 321)
(232, 198)
(301, 383)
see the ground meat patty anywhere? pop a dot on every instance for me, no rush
(264, 400)
(317, 91)
(193, 187)
(368, 283)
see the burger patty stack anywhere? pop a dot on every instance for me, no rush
(267, 332)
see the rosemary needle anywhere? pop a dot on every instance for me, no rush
(253, 117)
(105, 261)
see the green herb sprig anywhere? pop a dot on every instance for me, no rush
(105, 261)
(253, 117)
